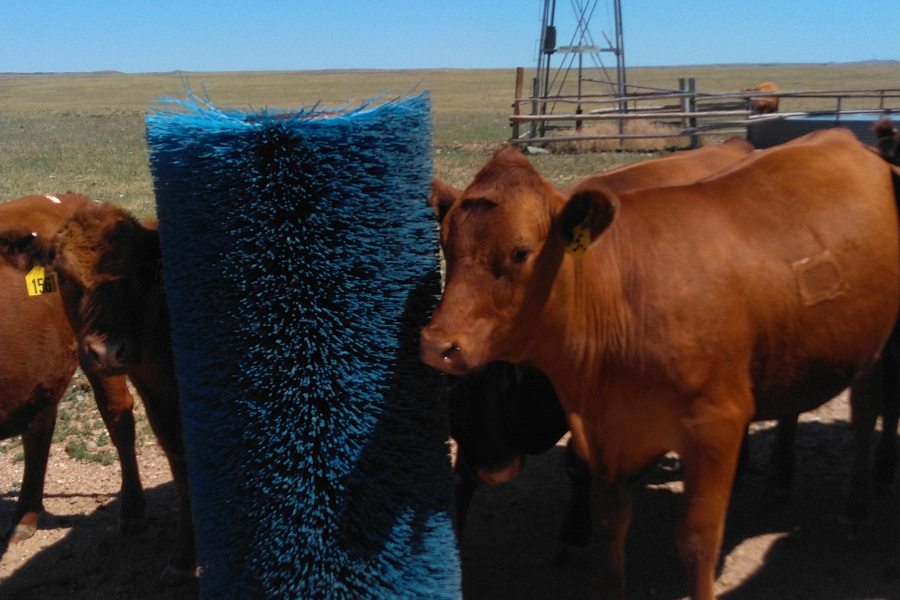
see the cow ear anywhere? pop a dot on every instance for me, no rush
(24, 249)
(585, 216)
(442, 197)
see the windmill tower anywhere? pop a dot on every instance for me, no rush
(549, 81)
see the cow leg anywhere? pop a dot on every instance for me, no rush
(183, 565)
(116, 407)
(886, 456)
(160, 397)
(36, 444)
(783, 459)
(866, 400)
(713, 441)
(743, 461)
(576, 527)
(614, 500)
(884, 469)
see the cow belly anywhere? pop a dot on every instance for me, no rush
(821, 384)
(825, 353)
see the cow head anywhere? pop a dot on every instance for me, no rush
(504, 239)
(501, 413)
(106, 263)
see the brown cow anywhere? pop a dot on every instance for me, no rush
(502, 413)
(39, 356)
(763, 105)
(108, 267)
(757, 293)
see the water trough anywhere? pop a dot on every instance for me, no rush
(772, 130)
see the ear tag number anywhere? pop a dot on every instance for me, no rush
(39, 282)
(581, 237)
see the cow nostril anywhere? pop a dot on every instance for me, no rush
(450, 353)
(440, 353)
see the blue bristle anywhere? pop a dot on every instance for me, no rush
(300, 263)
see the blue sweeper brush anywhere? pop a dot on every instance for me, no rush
(300, 262)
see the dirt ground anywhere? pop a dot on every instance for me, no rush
(797, 550)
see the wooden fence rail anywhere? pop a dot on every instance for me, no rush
(699, 113)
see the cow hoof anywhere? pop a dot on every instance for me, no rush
(21, 532)
(129, 527)
(173, 576)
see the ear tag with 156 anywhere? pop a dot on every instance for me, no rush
(39, 282)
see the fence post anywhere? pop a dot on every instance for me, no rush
(689, 104)
(520, 78)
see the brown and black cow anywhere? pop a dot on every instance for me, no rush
(668, 319)
(505, 412)
(38, 356)
(108, 270)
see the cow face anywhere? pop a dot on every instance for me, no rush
(106, 263)
(504, 239)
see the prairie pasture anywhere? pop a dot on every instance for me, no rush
(85, 132)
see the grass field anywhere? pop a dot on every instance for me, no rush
(85, 132)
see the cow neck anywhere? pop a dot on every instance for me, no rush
(587, 324)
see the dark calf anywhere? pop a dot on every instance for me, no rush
(497, 417)
(108, 266)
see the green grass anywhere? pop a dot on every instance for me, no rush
(85, 133)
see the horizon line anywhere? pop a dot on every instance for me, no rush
(873, 62)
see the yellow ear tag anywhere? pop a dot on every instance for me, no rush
(39, 282)
(581, 237)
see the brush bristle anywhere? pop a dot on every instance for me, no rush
(300, 262)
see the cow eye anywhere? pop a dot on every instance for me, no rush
(519, 255)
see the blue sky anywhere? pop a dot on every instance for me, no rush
(237, 35)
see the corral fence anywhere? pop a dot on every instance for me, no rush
(686, 112)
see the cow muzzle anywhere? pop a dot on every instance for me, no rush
(441, 354)
(107, 356)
